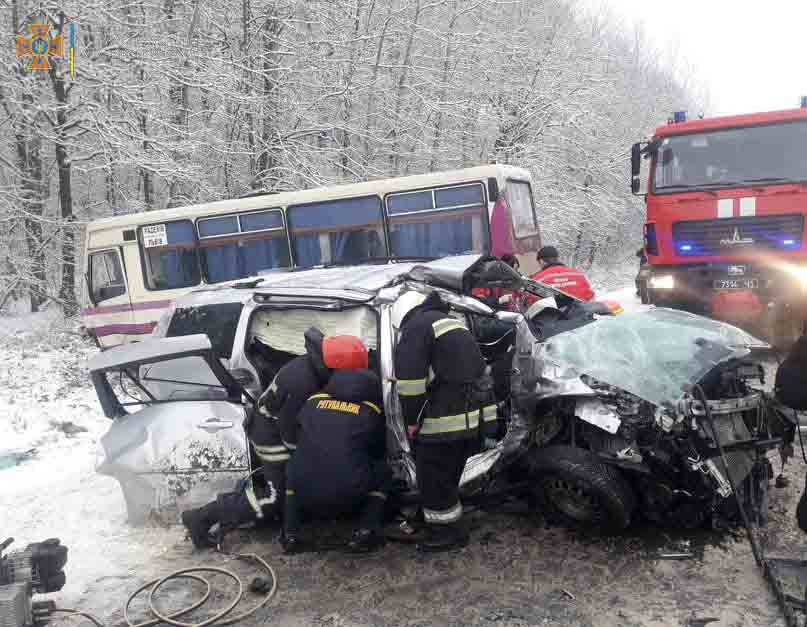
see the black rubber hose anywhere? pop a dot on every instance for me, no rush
(751, 539)
(72, 612)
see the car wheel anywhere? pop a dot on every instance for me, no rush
(574, 488)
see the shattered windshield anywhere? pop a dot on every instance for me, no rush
(655, 354)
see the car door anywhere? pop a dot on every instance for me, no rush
(184, 446)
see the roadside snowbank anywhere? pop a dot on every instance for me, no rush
(48, 403)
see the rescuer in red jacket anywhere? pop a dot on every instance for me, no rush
(561, 277)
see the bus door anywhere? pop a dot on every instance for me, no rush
(438, 222)
(514, 225)
(109, 318)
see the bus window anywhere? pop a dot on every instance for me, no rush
(169, 255)
(238, 246)
(438, 222)
(519, 197)
(337, 231)
(106, 276)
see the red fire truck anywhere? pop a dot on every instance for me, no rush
(726, 203)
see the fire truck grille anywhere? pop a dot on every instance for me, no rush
(735, 235)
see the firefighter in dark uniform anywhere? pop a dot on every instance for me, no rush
(445, 416)
(339, 465)
(270, 430)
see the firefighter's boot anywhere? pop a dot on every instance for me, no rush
(198, 523)
(444, 538)
(365, 541)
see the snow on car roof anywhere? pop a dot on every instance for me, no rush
(358, 283)
(151, 349)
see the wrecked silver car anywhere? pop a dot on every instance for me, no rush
(603, 419)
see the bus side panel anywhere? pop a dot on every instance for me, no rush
(147, 305)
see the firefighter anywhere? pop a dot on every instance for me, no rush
(339, 465)
(561, 277)
(791, 389)
(270, 430)
(445, 416)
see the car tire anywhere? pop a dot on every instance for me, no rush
(574, 488)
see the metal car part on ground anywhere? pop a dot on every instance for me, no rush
(599, 424)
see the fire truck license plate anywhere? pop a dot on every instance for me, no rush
(736, 284)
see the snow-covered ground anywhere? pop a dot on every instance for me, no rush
(47, 403)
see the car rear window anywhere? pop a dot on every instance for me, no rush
(218, 322)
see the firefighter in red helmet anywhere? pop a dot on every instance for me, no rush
(339, 464)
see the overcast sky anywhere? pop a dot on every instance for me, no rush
(750, 55)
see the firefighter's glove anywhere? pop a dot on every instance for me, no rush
(264, 399)
(48, 559)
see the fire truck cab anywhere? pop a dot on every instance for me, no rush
(726, 201)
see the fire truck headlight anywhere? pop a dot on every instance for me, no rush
(797, 272)
(662, 282)
(801, 275)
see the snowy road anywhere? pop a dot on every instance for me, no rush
(509, 576)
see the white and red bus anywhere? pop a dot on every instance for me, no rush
(137, 264)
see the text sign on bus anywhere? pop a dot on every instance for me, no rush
(154, 235)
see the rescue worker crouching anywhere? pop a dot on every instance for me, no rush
(561, 277)
(339, 465)
(445, 416)
(270, 428)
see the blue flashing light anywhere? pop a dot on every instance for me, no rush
(789, 242)
(680, 116)
(685, 248)
(804, 102)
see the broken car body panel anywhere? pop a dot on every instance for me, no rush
(186, 439)
(614, 387)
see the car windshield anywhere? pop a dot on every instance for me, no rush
(656, 355)
(773, 153)
(184, 378)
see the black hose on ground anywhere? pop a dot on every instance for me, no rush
(72, 612)
(220, 618)
(751, 539)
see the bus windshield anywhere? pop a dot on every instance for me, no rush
(337, 231)
(769, 154)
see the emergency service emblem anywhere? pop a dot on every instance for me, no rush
(40, 42)
(736, 240)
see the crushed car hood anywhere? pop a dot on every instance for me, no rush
(657, 355)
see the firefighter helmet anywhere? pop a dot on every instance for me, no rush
(344, 352)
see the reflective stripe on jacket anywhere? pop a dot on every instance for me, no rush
(441, 406)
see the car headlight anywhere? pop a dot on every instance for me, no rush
(662, 282)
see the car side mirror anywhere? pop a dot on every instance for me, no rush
(636, 168)
(242, 376)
